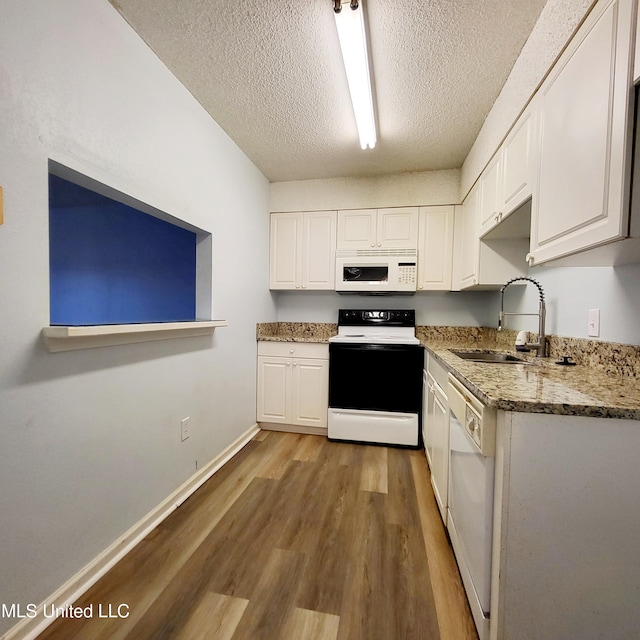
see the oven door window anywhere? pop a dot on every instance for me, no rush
(352, 273)
(376, 377)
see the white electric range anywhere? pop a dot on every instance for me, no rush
(375, 378)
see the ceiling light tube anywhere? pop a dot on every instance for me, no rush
(353, 43)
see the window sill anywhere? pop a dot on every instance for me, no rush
(106, 335)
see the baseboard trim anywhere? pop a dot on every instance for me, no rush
(293, 428)
(77, 585)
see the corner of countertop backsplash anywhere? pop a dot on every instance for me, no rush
(292, 331)
(465, 334)
(266, 330)
(608, 357)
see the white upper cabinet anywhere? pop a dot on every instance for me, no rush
(507, 182)
(581, 197)
(519, 153)
(398, 228)
(490, 261)
(285, 251)
(302, 250)
(357, 229)
(319, 250)
(435, 248)
(491, 194)
(394, 228)
(469, 241)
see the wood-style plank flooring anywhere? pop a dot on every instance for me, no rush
(295, 538)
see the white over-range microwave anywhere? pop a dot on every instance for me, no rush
(376, 271)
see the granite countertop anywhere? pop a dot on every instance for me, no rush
(541, 386)
(295, 331)
(605, 382)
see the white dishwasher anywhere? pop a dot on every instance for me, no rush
(470, 500)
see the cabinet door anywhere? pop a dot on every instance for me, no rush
(470, 243)
(435, 248)
(319, 250)
(491, 194)
(397, 228)
(440, 456)
(274, 390)
(357, 229)
(310, 395)
(518, 163)
(585, 138)
(285, 257)
(428, 395)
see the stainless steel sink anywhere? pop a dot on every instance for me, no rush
(492, 357)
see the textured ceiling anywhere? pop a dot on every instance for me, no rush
(269, 72)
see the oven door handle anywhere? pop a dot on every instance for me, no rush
(373, 417)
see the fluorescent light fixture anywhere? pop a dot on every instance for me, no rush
(353, 43)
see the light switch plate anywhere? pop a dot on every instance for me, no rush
(185, 428)
(594, 323)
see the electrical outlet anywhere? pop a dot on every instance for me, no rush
(594, 323)
(185, 428)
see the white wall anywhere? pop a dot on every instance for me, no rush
(90, 439)
(400, 190)
(464, 308)
(571, 291)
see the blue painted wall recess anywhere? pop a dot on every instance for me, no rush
(113, 264)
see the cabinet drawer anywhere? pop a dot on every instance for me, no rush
(317, 350)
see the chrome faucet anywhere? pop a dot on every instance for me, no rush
(541, 345)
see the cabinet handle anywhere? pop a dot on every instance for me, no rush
(530, 259)
(288, 363)
(291, 350)
(295, 364)
(373, 244)
(379, 244)
(297, 286)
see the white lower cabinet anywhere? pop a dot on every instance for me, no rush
(435, 430)
(565, 556)
(428, 391)
(293, 386)
(440, 457)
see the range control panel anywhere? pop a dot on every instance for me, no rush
(385, 317)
